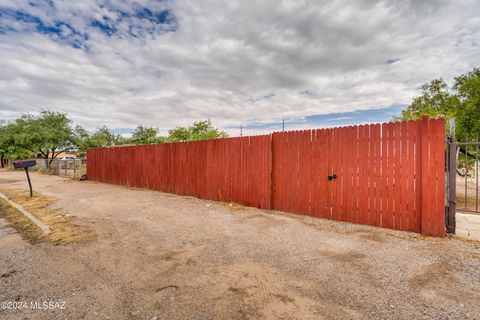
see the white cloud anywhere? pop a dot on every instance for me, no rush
(225, 57)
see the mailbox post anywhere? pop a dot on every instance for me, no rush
(25, 164)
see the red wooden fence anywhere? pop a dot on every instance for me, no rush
(233, 169)
(388, 175)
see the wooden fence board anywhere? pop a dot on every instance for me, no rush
(439, 218)
(396, 177)
(338, 171)
(378, 177)
(361, 178)
(404, 177)
(426, 178)
(335, 164)
(343, 174)
(371, 188)
(348, 193)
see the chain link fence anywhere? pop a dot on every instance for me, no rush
(66, 168)
(71, 168)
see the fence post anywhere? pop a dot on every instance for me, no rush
(270, 198)
(425, 226)
(452, 180)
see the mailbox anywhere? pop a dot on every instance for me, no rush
(20, 164)
(25, 164)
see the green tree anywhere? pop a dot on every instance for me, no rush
(467, 115)
(81, 138)
(4, 143)
(435, 101)
(144, 135)
(103, 137)
(200, 130)
(178, 134)
(460, 101)
(47, 134)
(8, 150)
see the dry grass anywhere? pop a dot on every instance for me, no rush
(234, 206)
(62, 226)
(24, 226)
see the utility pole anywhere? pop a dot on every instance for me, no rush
(241, 130)
(283, 124)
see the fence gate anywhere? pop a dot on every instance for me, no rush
(467, 176)
(388, 175)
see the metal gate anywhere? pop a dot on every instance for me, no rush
(462, 184)
(467, 195)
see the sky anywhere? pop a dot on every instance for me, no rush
(237, 62)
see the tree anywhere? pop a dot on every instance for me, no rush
(200, 130)
(435, 101)
(8, 150)
(103, 137)
(461, 101)
(178, 134)
(82, 138)
(4, 143)
(467, 115)
(48, 134)
(145, 135)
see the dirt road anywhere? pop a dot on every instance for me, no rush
(161, 256)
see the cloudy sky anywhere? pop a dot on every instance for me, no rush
(169, 63)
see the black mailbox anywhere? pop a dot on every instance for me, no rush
(25, 164)
(19, 164)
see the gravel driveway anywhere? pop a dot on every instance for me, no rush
(162, 256)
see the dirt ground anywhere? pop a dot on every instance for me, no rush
(162, 256)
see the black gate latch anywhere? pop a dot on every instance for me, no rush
(333, 176)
